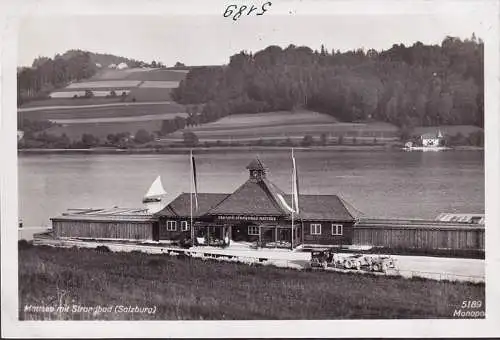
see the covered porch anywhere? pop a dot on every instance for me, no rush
(260, 235)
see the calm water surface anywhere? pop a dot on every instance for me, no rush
(381, 184)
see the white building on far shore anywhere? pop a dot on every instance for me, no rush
(431, 139)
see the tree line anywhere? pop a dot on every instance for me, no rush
(47, 74)
(419, 85)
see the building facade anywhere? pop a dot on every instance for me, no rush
(258, 212)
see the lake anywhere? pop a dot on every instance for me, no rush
(380, 184)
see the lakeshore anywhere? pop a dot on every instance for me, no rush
(223, 149)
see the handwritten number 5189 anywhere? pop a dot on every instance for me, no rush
(235, 12)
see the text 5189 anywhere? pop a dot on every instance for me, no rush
(235, 11)
(471, 304)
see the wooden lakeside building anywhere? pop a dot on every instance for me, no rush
(259, 213)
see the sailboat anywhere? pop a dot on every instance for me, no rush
(155, 192)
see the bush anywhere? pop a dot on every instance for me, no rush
(142, 136)
(190, 138)
(308, 140)
(102, 249)
(23, 244)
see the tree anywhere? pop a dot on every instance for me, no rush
(89, 140)
(190, 138)
(142, 136)
(179, 65)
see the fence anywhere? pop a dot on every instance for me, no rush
(419, 235)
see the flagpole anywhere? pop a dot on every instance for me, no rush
(191, 194)
(293, 193)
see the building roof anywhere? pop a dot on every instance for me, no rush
(252, 198)
(432, 135)
(461, 218)
(181, 206)
(326, 207)
(111, 214)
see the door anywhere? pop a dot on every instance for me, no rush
(156, 231)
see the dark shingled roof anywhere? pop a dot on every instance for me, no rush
(180, 206)
(325, 207)
(252, 198)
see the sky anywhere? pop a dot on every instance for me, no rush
(211, 39)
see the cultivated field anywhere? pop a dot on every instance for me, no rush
(196, 289)
(96, 93)
(70, 102)
(109, 84)
(135, 109)
(102, 130)
(140, 74)
(141, 85)
(150, 94)
(283, 125)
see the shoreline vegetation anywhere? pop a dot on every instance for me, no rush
(192, 289)
(216, 149)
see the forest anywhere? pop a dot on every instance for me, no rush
(419, 85)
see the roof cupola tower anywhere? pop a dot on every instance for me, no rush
(257, 170)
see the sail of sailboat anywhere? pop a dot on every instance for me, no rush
(155, 192)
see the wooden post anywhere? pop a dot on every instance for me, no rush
(275, 236)
(260, 236)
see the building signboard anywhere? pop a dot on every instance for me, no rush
(246, 218)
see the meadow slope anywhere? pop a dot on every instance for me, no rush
(193, 289)
(282, 125)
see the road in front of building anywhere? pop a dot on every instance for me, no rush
(438, 268)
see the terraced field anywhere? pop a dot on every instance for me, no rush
(114, 111)
(146, 105)
(139, 84)
(103, 129)
(284, 125)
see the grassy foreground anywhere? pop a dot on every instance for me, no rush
(196, 289)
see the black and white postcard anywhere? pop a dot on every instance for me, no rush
(283, 168)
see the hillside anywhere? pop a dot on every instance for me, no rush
(419, 85)
(121, 102)
(283, 126)
(47, 74)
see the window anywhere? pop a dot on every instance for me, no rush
(184, 226)
(171, 225)
(315, 229)
(253, 230)
(337, 229)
